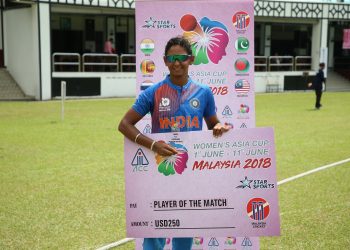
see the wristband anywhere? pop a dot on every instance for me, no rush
(152, 145)
(137, 136)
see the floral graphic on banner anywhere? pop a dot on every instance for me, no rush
(175, 163)
(208, 38)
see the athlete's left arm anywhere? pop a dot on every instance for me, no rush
(214, 124)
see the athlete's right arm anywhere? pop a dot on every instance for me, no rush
(128, 129)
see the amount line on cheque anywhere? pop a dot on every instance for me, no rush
(193, 228)
(195, 209)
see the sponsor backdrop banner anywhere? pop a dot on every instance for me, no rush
(222, 39)
(215, 243)
(213, 186)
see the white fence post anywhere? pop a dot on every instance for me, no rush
(63, 97)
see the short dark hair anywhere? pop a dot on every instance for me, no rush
(322, 64)
(181, 41)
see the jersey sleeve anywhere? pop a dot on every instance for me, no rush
(144, 102)
(210, 107)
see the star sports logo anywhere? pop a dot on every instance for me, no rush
(245, 183)
(152, 23)
(208, 38)
(174, 163)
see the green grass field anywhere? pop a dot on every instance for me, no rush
(62, 183)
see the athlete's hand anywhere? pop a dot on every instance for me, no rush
(219, 129)
(164, 149)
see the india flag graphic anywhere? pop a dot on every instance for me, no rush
(147, 46)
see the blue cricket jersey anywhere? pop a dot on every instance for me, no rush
(174, 108)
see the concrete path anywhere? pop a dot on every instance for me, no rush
(336, 82)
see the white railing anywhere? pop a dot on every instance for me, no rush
(281, 63)
(100, 62)
(94, 62)
(128, 61)
(260, 63)
(302, 63)
(66, 62)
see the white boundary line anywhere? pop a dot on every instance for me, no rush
(123, 241)
(115, 244)
(312, 171)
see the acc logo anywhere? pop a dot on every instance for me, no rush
(242, 44)
(241, 20)
(213, 242)
(147, 46)
(242, 65)
(140, 162)
(194, 103)
(246, 242)
(147, 67)
(243, 125)
(147, 129)
(175, 163)
(258, 209)
(227, 111)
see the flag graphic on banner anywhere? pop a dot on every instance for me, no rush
(242, 65)
(242, 86)
(147, 46)
(147, 67)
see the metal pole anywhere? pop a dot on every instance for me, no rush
(63, 97)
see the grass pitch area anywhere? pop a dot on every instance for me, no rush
(62, 183)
